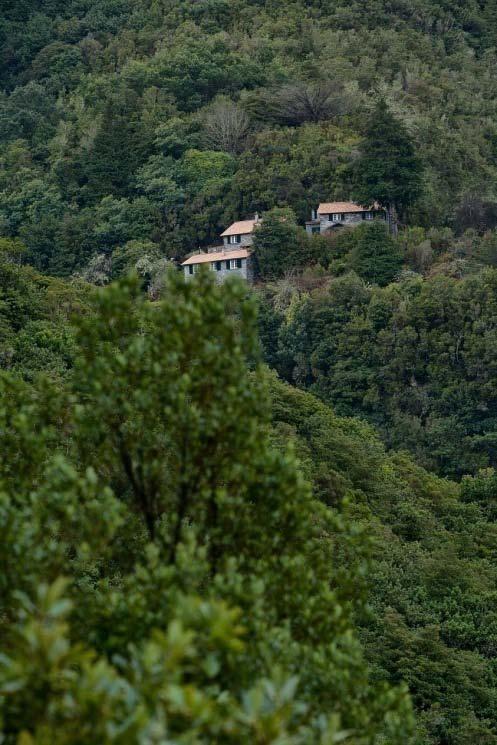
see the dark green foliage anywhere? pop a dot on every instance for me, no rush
(201, 599)
(281, 247)
(417, 358)
(34, 311)
(117, 150)
(29, 113)
(276, 244)
(97, 94)
(432, 594)
(375, 256)
(388, 170)
(148, 377)
(165, 572)
(483, 491)
(476, 213)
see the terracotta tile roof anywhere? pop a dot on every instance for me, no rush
(240, 228)
(237, 253)
(328, 208)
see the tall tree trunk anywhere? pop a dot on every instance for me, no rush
(392, 220)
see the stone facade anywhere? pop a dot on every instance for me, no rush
(332, 215)
(240, 233)
(224, 262)
(242, 239)
(232, 258)
(224, 268)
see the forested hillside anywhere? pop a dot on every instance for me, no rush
(207, 595)
(431, 582)
(248, 515)
(417, 358)
(159, 121)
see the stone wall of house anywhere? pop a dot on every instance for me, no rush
(225, 273)
(245, 272)
(348, 218)
(246, 240)
(250, 269)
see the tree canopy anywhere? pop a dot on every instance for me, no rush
(195, 548)
(388, 170)
(126, 103)
(175, 573)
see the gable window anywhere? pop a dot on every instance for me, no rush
(190, 268)
(235, 239)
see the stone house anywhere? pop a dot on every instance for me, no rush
(231, 258)
(332, 215)
(240, 233)
(224, 262)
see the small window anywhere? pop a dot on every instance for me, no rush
(219, 266)
(336, 217)
(238, 263)
(228, 264)
(368, 215)
(190, 268)
(235, 239)
(316, 229)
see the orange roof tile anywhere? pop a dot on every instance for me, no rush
(243, 227)
(237, 253)
(326, 208)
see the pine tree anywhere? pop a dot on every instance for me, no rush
(117, 151)
(276, 243)
(388, 170)
(375, 256)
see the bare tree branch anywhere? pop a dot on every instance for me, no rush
(226, 126)
(302, 102)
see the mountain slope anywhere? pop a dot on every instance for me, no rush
(113, 114)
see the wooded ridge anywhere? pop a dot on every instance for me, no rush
(257, 511)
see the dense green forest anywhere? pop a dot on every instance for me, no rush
(231, 514)
(160, 121)
(417, 358)
(207, 595)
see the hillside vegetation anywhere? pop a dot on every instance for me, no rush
(432, 574)
(416, 358)
(248, 515)
(173, 572)
(161, 121)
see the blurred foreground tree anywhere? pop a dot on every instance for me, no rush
(201, 602)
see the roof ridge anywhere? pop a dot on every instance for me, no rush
(227, 253)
